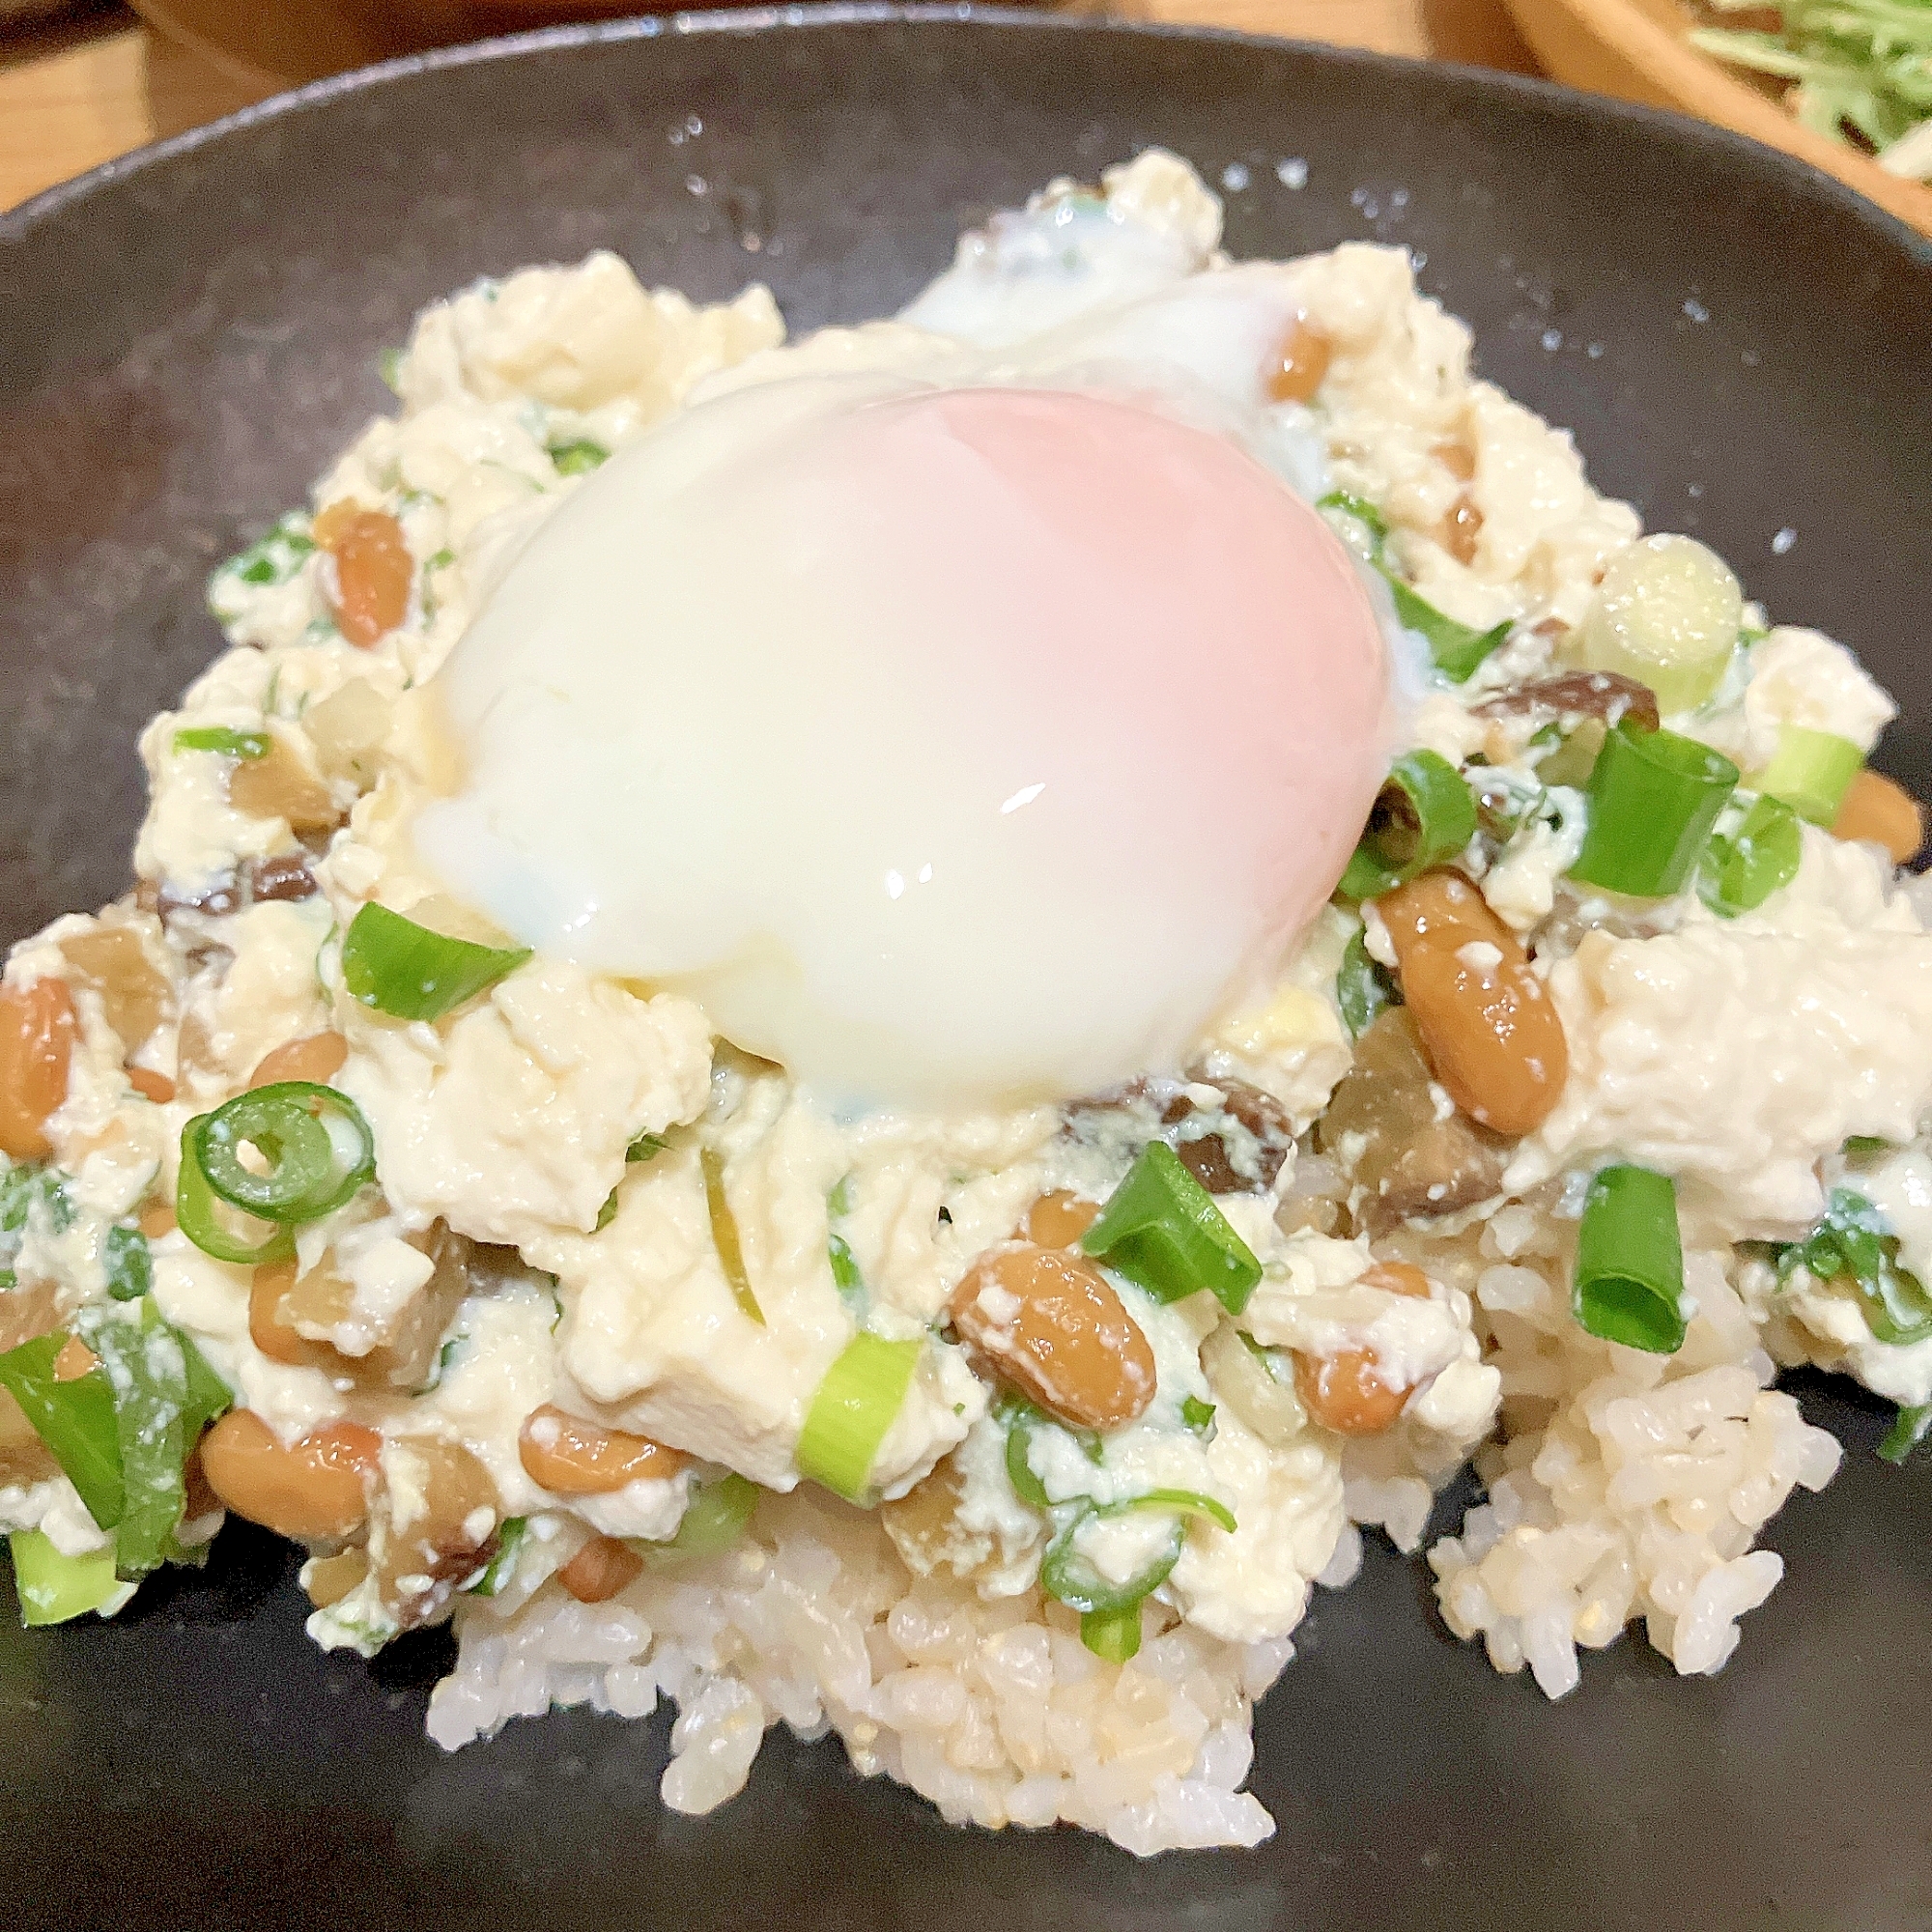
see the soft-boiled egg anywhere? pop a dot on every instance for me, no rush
(949, 744)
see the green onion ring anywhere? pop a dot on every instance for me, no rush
(1629, 1281)
(1654, 798)
(318, 1145)
(196, 1212)
(1070, 1577)
(1424, 813)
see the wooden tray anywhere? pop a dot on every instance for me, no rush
(1638, 50)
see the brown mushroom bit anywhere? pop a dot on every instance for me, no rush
(299, 1318)
(1231, 1136)
(1384, 1130)
(435, 1526)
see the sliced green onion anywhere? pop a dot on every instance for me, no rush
(164, 1395)
(1112, 1635)
(1162, 1230)
(1743, 868)
(579, 458)
(410, 973)
(503, 1564)
(1457, 648)
(1020, 1418)
(607, 1213)
(317, 1147)
(1853, 1242)
(1862, 1147)
(1810, 771)
(857, 1403)
(74, 1418)
(219, 738)
(1187, 1502)
(713, 1520)
(1907, 1432)
(129, 1264)
(1629, 1282)
(276, 558)
(1654, 798)
(1667, 614)
(203, 1220)
(1071, 1578)
(389, 366)
(1424, 813)
(647, 1147)
(1364, 987)
(725, 1235)
(845, 1274)
(1198, 1415)
(52, 1587)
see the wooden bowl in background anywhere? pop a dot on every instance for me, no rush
(1640, 50)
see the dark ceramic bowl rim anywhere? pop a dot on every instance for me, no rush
(1772, 162)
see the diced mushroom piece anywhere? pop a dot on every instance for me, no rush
(283, 786)
(1606, 694)
(299, 1319)
(133, 994)
(435, 1524)
(1234, 1144)
(927, 1530)
(1385, 1129)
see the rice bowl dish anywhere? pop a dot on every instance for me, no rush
(560, 1294)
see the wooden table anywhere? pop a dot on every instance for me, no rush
(73, 97)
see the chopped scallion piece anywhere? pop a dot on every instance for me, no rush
(579, 458)
(1862, 1147)
(1810, 771)
(1654, 798)
(1070, 1577)
(1854, 1242)
(129, 1264)
(845, 1276)
(725, 1235)
(1907, 1432)
(607, 1213)
(647, 1147)
(713, 1520)
(52, 1587)
(1457, 648)
(1020, 1417)
(201, 1220)
(164, 1395)
(1629, 1282)
(1112, 1635)
(1424, 813)
(1198, 1415)
(1743, 868)
(1667, 614)
(1364, 987)
(1187, 1502)
(74, 1418)
(389, 366)
(410, 973)
(276, 558)
(1162, 1230)
(858, 1401)
(221, 739)
(313, 1141)
(503, 1564)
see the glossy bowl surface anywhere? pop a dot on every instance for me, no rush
(1743, 348)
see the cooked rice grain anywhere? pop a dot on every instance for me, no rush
(994, 1711)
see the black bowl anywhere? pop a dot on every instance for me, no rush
(1743, 350)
